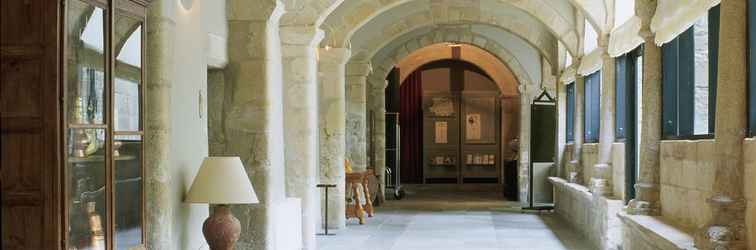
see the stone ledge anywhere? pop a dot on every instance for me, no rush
(654, 232)
(593, 215)
(574, 186)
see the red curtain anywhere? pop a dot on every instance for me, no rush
(411, 128)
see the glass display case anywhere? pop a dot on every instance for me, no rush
(103, 113)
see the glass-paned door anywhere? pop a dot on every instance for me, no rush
(104, 158)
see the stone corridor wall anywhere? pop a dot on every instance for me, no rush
(687, 177)
(618, 170)
(749, 158)
(589, 158)
(567, 155)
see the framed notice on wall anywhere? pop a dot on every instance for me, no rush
(442, 132)
(480, 119)
(472, 127)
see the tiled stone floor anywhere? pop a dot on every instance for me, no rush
(469, 221)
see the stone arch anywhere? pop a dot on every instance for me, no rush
(307, 12)
(392, 53)
(535, 36)
(557, 16)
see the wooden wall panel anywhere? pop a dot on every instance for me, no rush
(30, 124)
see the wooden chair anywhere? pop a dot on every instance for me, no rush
(357, 210)
(354, 210)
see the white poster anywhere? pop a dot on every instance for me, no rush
(442, 129)
(472, 127)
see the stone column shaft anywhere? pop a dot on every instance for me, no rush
(601, 182)
(575, 164)
(377, 98)
(301, 123)
(157, 98)
(253, 119)
(726, 229)
(356, 92)
(646, 200)
(331, 76)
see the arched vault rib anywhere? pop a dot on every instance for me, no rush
(366, 43)
(557, 15)
(393, 53)
(516, 53)
(307, 12)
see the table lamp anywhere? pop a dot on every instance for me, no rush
(221, 181)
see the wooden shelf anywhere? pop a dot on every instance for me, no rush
(99, 158)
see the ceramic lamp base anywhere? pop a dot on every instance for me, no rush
(221, 229)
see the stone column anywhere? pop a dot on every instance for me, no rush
(331, 76)
(253, 114)
(378, 106)
(301, 122)
(601, 181)
(356, 78)
(528, 92)
(157, 100)
(646, 200)
(561, 137)
(574, 165)
(726, 229)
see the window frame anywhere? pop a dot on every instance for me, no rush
(625, 82)
(678, 84)
(592, 107)
(570, 110)
(751, 93)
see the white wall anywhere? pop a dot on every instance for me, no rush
(189, 137)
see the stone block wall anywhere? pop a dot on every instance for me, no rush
(595, 217)
(589, 158)
(749, 158)
(618, 170)
(567, 155)
(687, 176)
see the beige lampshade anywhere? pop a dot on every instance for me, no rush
(222, 180)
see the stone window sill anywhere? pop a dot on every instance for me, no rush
(656, 232)
(573, 186)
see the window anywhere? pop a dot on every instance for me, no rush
(592, 104)
(629, 77)
(629, 68)
(570, 112)
(620, 102)
(752, 67)
(689, 76)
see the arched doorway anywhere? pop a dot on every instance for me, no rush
(456, 125)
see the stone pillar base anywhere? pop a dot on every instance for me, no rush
(601, 184)
(646, 202)
(573, 171)
(727, 229)
(601, 187)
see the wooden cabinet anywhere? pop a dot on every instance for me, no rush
(71, 123)
(102, 146)
(30, 124)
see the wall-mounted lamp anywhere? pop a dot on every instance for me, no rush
(187, 4)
